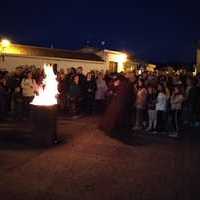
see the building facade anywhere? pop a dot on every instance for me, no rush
(23, 55)
(89, 58)
(114, 60)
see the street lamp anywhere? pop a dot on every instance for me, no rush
(5, 43)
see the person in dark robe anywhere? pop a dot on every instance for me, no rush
(82, 81)
(62, 91)
(90, 93)
(116, 120)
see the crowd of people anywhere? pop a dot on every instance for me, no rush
(165, 103)
(17, 90)
(81, 94)
(170, 101)
(151, 102)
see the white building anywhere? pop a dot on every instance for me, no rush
(23, 55)
(16, 55)
(114, 60)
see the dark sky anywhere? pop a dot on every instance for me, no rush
(160, 31)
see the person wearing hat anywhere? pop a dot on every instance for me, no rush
(116, 120)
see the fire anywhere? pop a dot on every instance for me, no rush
(47, 93)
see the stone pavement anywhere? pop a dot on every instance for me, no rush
(91, 165)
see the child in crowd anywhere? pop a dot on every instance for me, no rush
(151, 106)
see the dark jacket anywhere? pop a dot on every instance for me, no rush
(74, 91)
(90, 87)
(151, 101)
(117, 117)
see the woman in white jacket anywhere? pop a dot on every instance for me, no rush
(100, 93)
(28, 86)
(161, 108)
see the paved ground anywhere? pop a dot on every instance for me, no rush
(91, 165)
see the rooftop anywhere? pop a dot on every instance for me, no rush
(27, 50)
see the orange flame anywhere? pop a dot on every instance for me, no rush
(47, 94)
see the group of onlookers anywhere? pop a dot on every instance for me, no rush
(160, 103)
(167, 103)
(78, 93)
(164, 104)
(81, 94)
(17, 90)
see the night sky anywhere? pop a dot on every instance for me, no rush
(158, 31)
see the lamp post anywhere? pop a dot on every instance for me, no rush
(5, 43)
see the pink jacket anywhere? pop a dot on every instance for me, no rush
(141, 98)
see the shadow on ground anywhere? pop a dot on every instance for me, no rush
(21, 140)
(140, 138)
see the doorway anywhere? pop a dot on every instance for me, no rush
(113, 66)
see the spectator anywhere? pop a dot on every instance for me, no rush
(140, 104)
(161, 108)
(151, 105)
(176, 100)
(75, 97)
(69, 79)
(90, 92)
(29, 89)
(190, 102)
(197, 124)
(3, 97)
(82, 82)
(100, 93)
(62, 92)
(18, 103)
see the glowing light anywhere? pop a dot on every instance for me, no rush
(5, 43)
(195, 71)
(121, 59)
(47, 93)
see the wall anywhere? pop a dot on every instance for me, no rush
(13, 61)
(113, 56)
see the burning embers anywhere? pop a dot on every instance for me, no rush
(44, 110)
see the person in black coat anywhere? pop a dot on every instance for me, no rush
(90, 87)
(82, 80)
(3, 98)
(117, 117)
